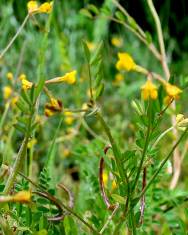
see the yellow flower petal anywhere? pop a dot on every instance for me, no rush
(149, 90)
(10, 76)
(26, 84)
(173, 91)
(22, 196)
(32, 7)
(7, 92)
(125, 62)
(117, 41)
(45, 7)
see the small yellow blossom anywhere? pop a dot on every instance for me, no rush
(31, 143)
(173, 91)
(55, 106)
(26, 84)
(149, 90)
(7, 92)
(10, 76)
(32, 7)
(45, 7)
(118, 79)
(125, 62)
(14, 100)
(91, 45)
(66, 152)
(69, 78)
(22, 196)
(114, 185)
(69, 119)
(22, 76)
(105, 178)
(117, 41)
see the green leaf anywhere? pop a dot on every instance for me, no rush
(99, 91)
(86, 51)
(20, 128)
(97, 55)
(119, 15)
(93, 8)
(106, 11)
(118, 198)
(85, 12)
(148, 37)
(132, 23)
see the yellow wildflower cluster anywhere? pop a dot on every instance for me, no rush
(149, 90)
(25, 83)
(69, 78)
(125, 62)
(53, 107)
(34, 8)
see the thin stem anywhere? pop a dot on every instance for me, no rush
(162, 135)
(4, 116)
(123, 10)
(16, 167)
(163, 163)
(160, 38)
(109, 219)
(150, 46)
(15, 36)
(133, 222)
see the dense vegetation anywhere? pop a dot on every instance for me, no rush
(93, 118)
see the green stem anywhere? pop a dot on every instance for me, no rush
(144, 150)
(15, 36)
(3, 118)
(163, 163)
(133, 222)
(16, 167)
(162, 135)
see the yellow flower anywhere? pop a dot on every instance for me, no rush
(69, 119)
(14, 100)
(26, 84)
(114, 185)
(22, 196)
(91, 45)
(173, 91)
(45, 7)
(149, 90)
(105, 178)
(7, 92)
(10, 76)
(117, 41)
(32, 7)
(55, 106)
(31, 143)
(22, 77)
(69, 78)
(66, 152)
(125, 62)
